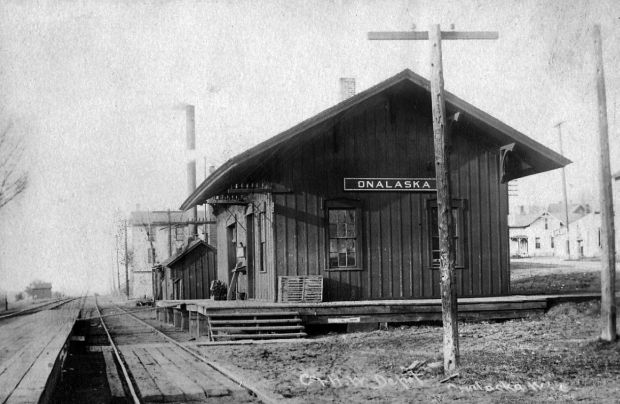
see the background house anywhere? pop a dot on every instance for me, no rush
(542, 233)
(39, 290)
(154, 237)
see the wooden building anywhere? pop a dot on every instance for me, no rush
(349, 195)
(187, 274)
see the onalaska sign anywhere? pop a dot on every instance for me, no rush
(390, 184)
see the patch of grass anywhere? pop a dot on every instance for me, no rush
(557, 283)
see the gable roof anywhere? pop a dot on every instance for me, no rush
(42, 285)
(179, 256)
(538, 156)
(575, 212)
(524, 220)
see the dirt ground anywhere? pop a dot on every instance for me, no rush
(554, 357)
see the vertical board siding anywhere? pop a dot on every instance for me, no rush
(388, 137)
(197, 269)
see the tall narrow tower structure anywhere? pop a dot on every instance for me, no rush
(190, 112)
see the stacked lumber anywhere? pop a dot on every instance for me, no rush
(300, 289)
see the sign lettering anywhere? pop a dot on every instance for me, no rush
(343, 320)
(390, 184)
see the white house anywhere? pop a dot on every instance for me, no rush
(532, 234)
(543, 233)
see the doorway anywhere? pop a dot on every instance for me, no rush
(231, 242)
(250, 255)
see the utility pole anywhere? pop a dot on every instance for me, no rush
(126, 264)
(442, 174)
(608, 256)
(564, 193)
(118, 271)
(169, 235)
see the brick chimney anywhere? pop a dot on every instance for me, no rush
(347, 88)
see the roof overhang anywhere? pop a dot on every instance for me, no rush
(178, 257)
(533, 153)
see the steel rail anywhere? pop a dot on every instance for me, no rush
(264, 396)
(36, 309)
(134, 395)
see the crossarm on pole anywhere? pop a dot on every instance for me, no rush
(422, 35)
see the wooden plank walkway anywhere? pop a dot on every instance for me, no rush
(29, 348)
(164, 372)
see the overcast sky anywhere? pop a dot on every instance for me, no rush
(96, 89)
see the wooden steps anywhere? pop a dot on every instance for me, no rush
(254, 325)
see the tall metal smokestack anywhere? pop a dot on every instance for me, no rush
(191, 165)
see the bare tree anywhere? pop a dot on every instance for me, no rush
(13, 179)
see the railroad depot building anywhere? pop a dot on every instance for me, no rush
(349, 195)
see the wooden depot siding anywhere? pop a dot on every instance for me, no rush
(263, 282)
(391, 136)
(197, 269)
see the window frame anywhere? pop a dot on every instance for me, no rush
(460, 240)
(537, 245)
(179, 231)
(150, 255)
(151, 234)
(262, 241)
(344, 204)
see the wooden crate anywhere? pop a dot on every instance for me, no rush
(297, 289)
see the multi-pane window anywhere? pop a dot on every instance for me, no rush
(552, 243)
(179, 233)
(458, 234)
(150, 255)
(537, 242)
(343, 238)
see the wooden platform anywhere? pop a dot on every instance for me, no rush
(30, 349)
(185, 312)
(165, 373)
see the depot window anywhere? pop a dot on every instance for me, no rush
(343, 235)
(459, 235)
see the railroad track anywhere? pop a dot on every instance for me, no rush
(157, 366)
(34, 309)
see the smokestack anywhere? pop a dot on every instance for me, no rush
(347, 88)
(191, 165)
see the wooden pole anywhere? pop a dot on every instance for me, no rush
(608, 256)
(118, 271)
(444, 208)
(169, 235)
(126, 264)
(564, 193)
(444, 195)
